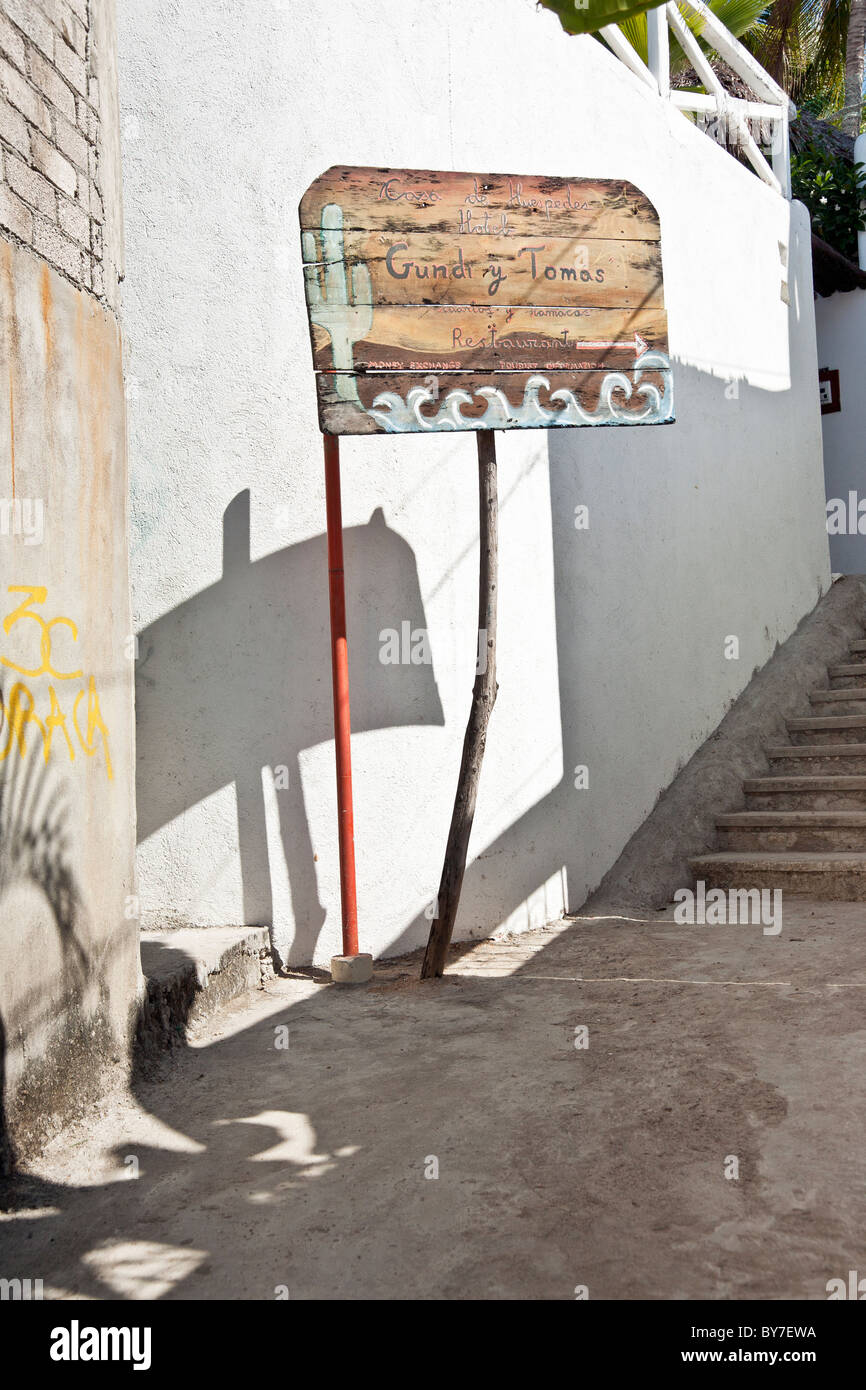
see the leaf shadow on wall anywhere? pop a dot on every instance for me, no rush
(238, 679)
(34, 855)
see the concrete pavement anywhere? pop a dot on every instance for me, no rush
(292, 1149)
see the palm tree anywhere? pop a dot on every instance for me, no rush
(814, 48)
(740, 17)
(855, 54)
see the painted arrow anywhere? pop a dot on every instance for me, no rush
(639, 344)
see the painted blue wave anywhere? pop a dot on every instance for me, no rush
(616, 404)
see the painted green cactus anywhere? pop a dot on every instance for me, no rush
(346, 319)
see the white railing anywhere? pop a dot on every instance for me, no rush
(770, 113)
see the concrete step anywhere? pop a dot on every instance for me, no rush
(792, 830)
(805, 793)
(847, 701)
(847, 759)
(833, 877)
(191, 973)
(829, 728)
(849, 673)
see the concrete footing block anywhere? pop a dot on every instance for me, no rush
(352, 970)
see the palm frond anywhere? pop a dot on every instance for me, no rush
(738, 16)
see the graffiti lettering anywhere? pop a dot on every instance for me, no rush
(19, 722)
(38, 594)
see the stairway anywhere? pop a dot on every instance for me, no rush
(803, 829)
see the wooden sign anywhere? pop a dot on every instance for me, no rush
(443, 301)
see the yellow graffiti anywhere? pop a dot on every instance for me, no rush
(94, 722)
(18, 711)
(57, 720)
(20, 715)
(38, 594)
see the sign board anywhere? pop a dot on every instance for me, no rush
(447, 301)
(828, 390)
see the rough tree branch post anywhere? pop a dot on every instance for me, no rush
(462, 301)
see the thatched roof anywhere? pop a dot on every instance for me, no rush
(831, 271)
(809, 130)
(732, 84)
(805, 130)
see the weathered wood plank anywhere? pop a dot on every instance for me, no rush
(470, 203)
(454, 338)
(429, 268)
(388, 402)
(442, 301)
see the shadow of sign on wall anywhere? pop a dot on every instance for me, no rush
(237, 679)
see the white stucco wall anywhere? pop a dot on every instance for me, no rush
(611, 640)
(841, 325)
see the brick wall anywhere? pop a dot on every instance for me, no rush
(51, 197)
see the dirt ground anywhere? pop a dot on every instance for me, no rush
(254, 1170)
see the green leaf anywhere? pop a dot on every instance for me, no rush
(588, 18)
(832, 190)
(738, 15)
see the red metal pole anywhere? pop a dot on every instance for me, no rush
(340, 671)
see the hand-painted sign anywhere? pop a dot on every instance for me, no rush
(444, 301)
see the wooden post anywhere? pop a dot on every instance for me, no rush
(483, 700)
(340, 677)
